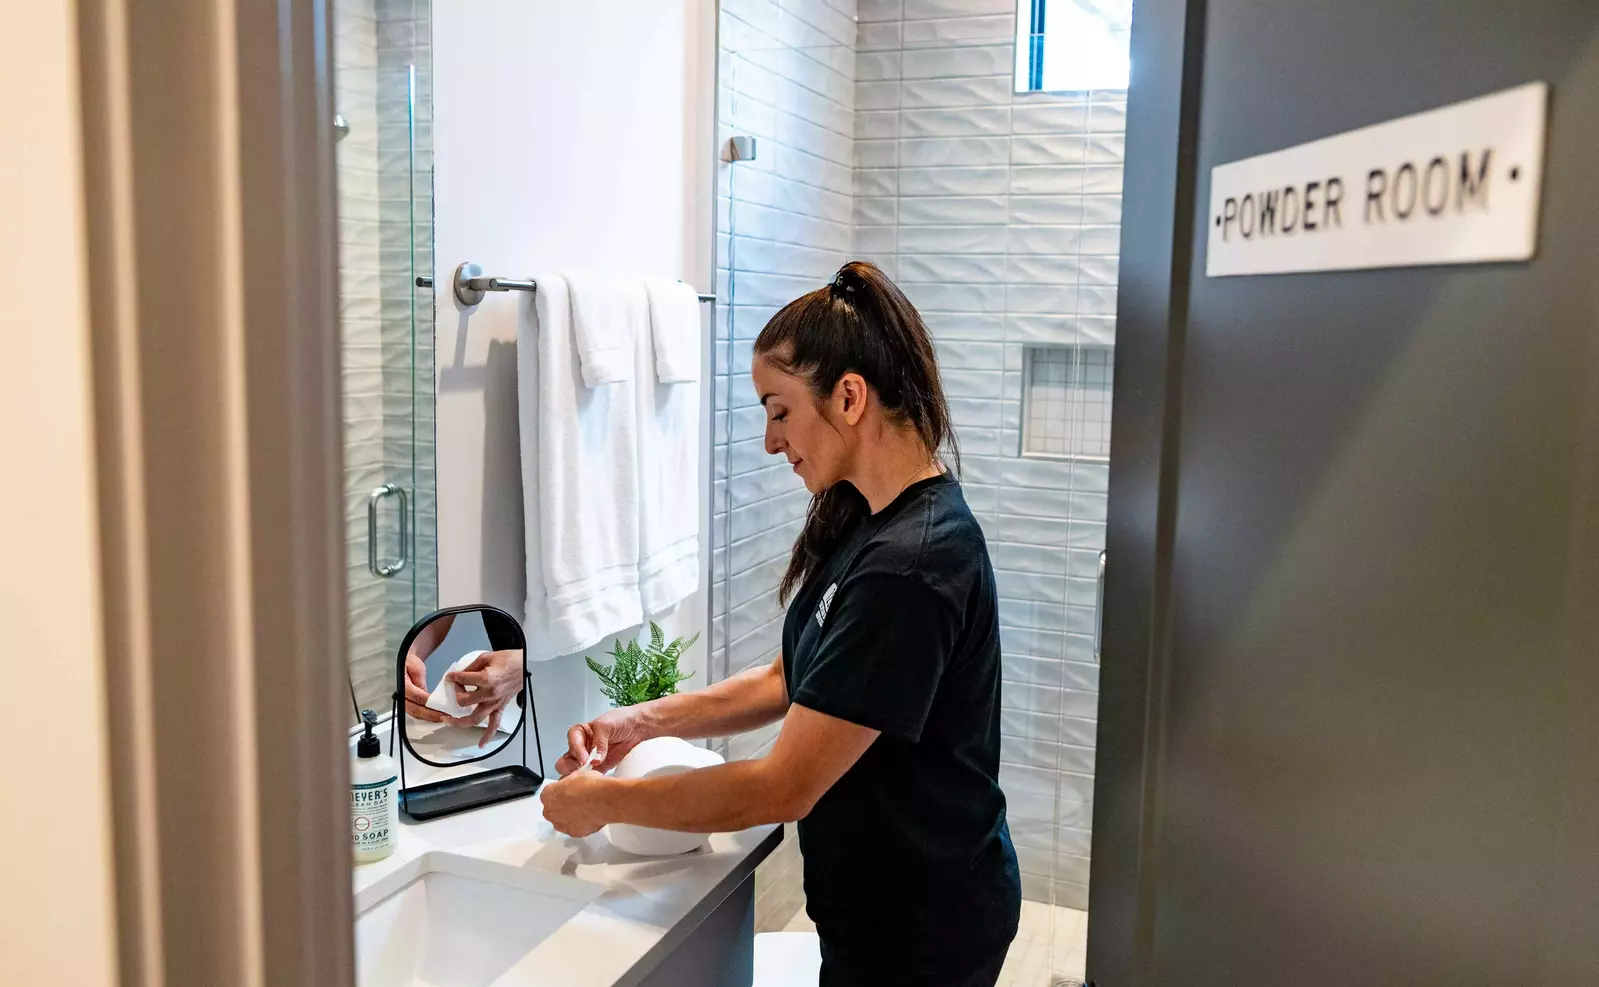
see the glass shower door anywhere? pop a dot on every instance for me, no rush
(381, 73)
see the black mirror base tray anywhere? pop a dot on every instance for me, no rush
(443, 798)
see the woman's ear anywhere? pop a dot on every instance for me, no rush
(849, 397)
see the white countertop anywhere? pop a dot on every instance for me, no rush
(648, 906)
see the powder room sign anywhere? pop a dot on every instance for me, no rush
(1456, 185)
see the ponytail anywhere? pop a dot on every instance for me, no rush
(862, 323)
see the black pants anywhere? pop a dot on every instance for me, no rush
(985, 976)
(950, 936)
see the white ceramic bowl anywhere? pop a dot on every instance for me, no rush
(652, 759)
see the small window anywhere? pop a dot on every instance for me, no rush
(1072, 45)
(1066, 402)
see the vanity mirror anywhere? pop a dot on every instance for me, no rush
(461, 696)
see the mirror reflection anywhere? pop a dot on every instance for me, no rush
(462, 678)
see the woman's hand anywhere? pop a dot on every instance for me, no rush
(493, 677)
(416, 691)
(487, 685)
(574, 805)
(603, 741)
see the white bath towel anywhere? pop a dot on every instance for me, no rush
(675, 328)
(605, 321)
(579, 479)
(669, 449)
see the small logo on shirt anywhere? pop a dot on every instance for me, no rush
(827, 601)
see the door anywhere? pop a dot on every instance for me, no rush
(1349, 720)
(381, 72)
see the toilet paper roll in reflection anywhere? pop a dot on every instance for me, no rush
(652, 759)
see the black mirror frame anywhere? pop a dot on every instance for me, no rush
(531, 778)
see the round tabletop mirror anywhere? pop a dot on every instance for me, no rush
(461, 677)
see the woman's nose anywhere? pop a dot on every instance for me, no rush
(774, 444)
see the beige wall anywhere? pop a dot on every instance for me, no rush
(56, 911)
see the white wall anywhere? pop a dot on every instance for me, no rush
(565, 135)
(56, 903)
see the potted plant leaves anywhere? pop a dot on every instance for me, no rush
(638, 673)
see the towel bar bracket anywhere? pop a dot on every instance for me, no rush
(471, 286)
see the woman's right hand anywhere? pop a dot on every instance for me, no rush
(609, 737)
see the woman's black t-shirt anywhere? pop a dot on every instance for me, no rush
(907, 856)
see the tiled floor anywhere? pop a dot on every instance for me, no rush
(1030, 961)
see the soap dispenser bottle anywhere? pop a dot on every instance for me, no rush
(374, 789)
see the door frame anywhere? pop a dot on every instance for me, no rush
(1157, 244)
(209, 202)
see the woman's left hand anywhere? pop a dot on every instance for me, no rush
(573, 804)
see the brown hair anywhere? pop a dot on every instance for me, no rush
(862, 323)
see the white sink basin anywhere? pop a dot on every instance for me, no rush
(452, 921)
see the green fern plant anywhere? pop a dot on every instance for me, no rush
(640, 674)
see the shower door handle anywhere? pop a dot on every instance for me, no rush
(386, 570)
(1099, 607)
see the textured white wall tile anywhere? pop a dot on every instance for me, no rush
(927, 9)
(877, 123)
(1047, 298)
(972, 384)
(876, 181)
(957, 122)
(1107, 149)
(1099, 271)
(1059, 330)
(1096, 300)
(951, 63)
(876, 95)
(877, 66)
(980, 440)
(943, 31)
(1045, 239)
(759, 14)
(953, 239)
(970, 413)
(1048, 210)
(1049, 118)
(952, 210)
(994, 90)
(873, 211)
(877, 37)
(876, 153)
(1102, 210)
(1101, 240)
(955, 151)
(988, 180)
(1043, 269)
(1105, 118)
(880, 10)
(979, 268)
(1031, 557)
(938, 297)
(876, 239)
(1050, 149)
(963, 325)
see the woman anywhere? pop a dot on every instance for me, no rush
(888, 681)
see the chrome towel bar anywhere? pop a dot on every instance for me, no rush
(471, 286)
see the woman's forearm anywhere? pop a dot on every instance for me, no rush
(750, 699)
(722, 799)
